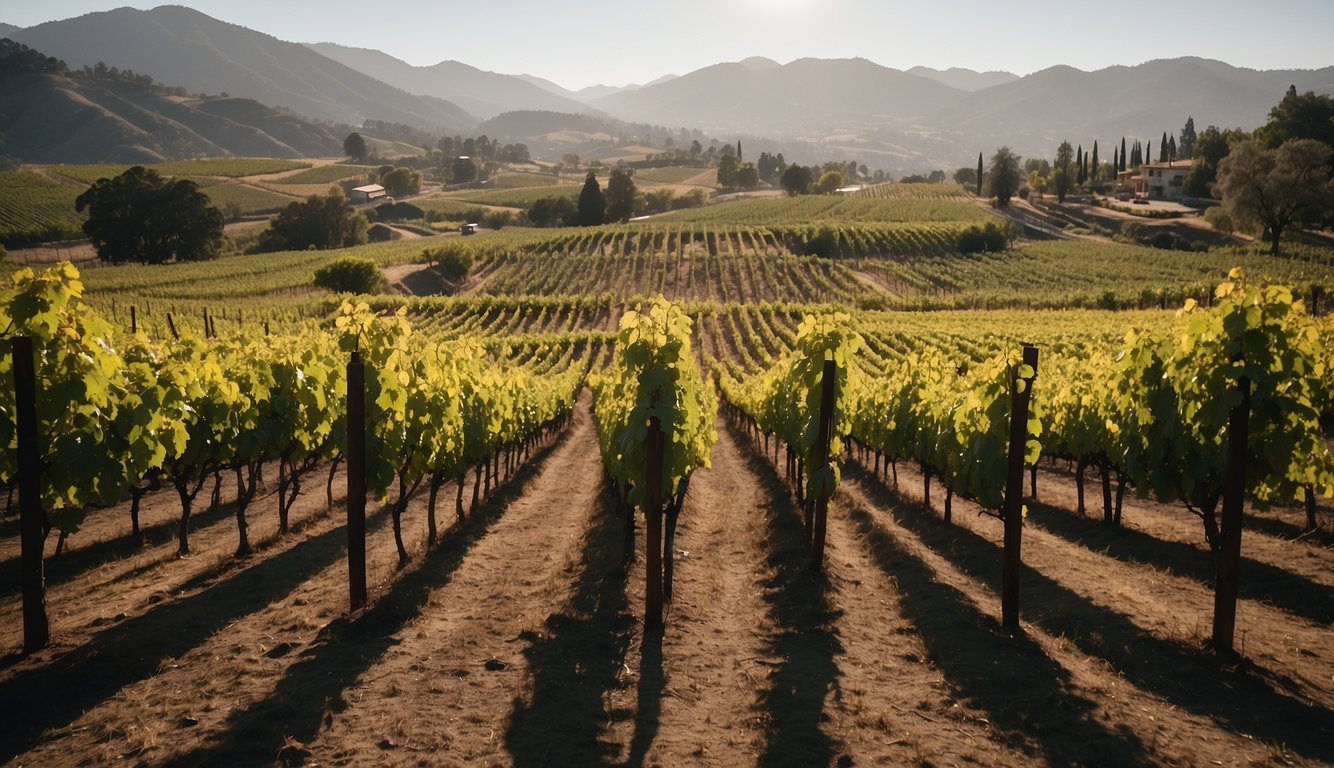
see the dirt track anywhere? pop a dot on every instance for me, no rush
(516, 640)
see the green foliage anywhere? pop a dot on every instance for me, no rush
(325, 174)
(138, 216)
(552, 211)
(350, 275)
(319, 222)
(401, 182)
(398, 212)
(453, 261)
(796, 180)
(829, 183)
(990, 238)
(354, 146)
(822, 243)
(653, 376)
(621, 197)
(591, 209)
(1003, 177)
(1277, 188)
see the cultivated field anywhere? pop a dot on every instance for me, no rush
(514, 635)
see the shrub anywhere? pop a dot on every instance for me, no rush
(989, 239)
(350, 275)
(379, 233)
(453, 261)
(824, 244)
(1219, 219)
(398, 212)
(498, 219)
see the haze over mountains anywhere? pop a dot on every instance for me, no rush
(812, 109)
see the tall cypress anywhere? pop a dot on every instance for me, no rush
(1079, 164)
(1116, 162)
(1148, 154)
(1123, 154)
(1162, 149)
(979, 174)
(1094, 177)
(592, 207)
(738, 151)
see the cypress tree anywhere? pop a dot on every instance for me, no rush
(1123, 154)
(1116, 162)
(1148, 154)
(1094, 176)
(1079, 165)
(979, 174)
(1171, 148)
(1162, 149)
(738, 151)
(592, 208)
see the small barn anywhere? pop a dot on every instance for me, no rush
(366, 194)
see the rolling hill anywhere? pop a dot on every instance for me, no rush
(965, 79)
(187, 48)
(484, 94)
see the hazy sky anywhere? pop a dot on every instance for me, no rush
(623, 41)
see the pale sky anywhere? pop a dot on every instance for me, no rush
(617, 42)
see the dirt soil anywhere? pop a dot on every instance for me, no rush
(516, 640)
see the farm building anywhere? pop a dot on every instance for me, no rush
(1162, 181)
(368, 193)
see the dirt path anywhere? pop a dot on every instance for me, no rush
(1119, 643)
(874, 283)
(697, 693)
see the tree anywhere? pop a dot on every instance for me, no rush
(727, 170)
(1211, 146)
(1123, 155)
(553, 211)
(965, 176)
(401, 182)
(1093, 172)
(569, 160)
(980, 174)
(796, 180)
(1063, 175)
(1277, 188)
(354, 146)
(592, 208)
(320, 222)
(1162, 149)
(747, 176)
(1079, 165)
(1186, 143)
(350, 275)
(620, 199)
(139, 216)
(1037, 183)
(462, 170)
(1171, 148)
(1003, 176)
(829, 183)
(1305, 116)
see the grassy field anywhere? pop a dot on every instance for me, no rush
(34, 208)
(324, 174)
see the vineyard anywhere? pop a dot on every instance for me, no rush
(680, 492)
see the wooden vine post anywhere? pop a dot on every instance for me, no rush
(653, 526)
(1013, 514)
(356, 481)
(828, 380)
(1227, 579)
(36, 629)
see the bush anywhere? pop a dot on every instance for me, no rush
(989, 239)
(398, 212)
(350, 275)
(319, 223)
(824, 244)
(1219, 219)
(498, 219)
(379, 233)
(453, 261)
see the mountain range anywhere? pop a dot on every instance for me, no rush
(818, 109)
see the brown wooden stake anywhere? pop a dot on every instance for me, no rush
(1014, 489)
(653, 527)
(172, 326)
(134, 320)
(36, 629)
(821, 459)
(356, 481)
(1227, 581)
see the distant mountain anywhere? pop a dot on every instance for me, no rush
(53, 118)
(965, 79)
(588, 94)
(760, 95)
(484, 94)
(1033, 114)
(184, 47)
(8, 29)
